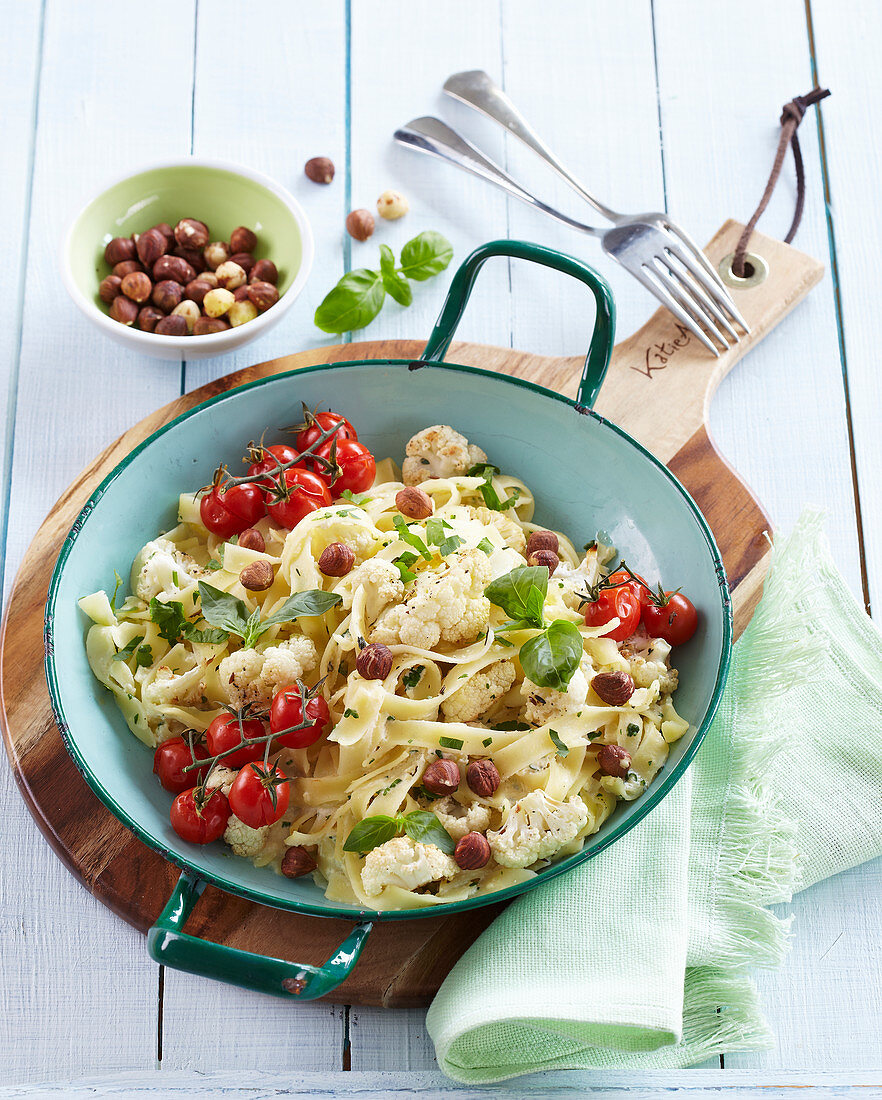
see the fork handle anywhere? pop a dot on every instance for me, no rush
(477, 90)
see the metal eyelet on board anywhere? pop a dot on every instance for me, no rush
(759, 271)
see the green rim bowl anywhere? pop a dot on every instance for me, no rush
(223, 195)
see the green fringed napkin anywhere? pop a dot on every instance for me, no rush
(637, 960)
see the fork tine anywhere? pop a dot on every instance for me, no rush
(683, 294)
(676, 267)
(711, 283)
(655, 287)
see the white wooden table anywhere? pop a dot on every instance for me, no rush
(668, 104)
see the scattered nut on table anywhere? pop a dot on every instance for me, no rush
(392, 205)
(319, 169)
(360, 224)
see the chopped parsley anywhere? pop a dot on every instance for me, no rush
(487, 741)
(633, 729)
(411, 538)
(350, 713)
(450, 742)
(355, 498)
(413, 676)
(127, 651)
(214, 565)
(391, 786)
(403, 563)
(487, 546)
(491, 497)
(562, 749)
(508, 727)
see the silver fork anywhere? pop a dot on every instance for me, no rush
(650, 247)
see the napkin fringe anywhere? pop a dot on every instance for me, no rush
(722, 1013)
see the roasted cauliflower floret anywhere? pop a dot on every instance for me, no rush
(512, 533)
(166, 571)
(479, 692)
(576, 579)
(438, 451)
(244, 840)
(405, 863)
(445, 605)
(253, 676)
(178, 689)
(381, 582)
(221, 779)
(544, 705)
(649, 659)
(459, 820)
(536, 828)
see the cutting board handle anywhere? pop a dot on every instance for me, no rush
(600, 348)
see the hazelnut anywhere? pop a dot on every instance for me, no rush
(472, 851)
(217, 253)
(392, 205)
(175, 325)
(240, 313)
(189, 311)
(208, 277)
(119, 249)
(297, 861)
(175, 268)
(250, 538)
(126, 267)
(319, 169)
(264, 271)
(193, 257)
(167, 294)
(230, 275)
(613, 760)
(217, 302)
(263, 295)
(109, 288)
(243, 239)
(244, 259)
(197, 290)
(482, 778)
(241, 293)
(414, 503)
(360, 224)
(542, 540)
(548, 558)
(166, 230)
(336, 560)
(191, 233)
(123, 309)
(257, 577)
(441, 777)
(151, 245)
(615, 688)
(206, 325)
(136, 286)
(374, 662)
(148, 318)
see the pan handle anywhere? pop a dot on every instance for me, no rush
(600, 349)
(170, 946)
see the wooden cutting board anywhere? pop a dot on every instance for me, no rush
(659, 369)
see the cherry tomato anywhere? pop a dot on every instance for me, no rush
(356, 462)
(675, 621)
(621, 579)
(287, 711)
(259, 794)
(169, 761)
(620, 603)
(227, 512)
(322, 422)
(200, 826)
(307, 493)
(224, 733)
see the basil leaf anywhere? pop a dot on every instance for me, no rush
(206, 637)
(436, 530)
(508, 727)
(450, 742)
(426, 255)
(214, 565)
(551, 658)
(562, 749)
(521, 593)
(493, 500)
(424, 827)
(223, 610)
(313, 602)
(169, 617)
(396, 285)
(487, 546)
(449, 545)
(404, 562)
(127, 651)
(116, 589)
(411, 538)
(353, 303)
(387, 261)
(483, 469)
(371, 833)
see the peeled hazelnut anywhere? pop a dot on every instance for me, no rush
(167, 294)
(126, 267)
(264, 271)
(336, 560)
(109, 288)
(241, 293)
(123, 309)
(217, 253)
(613, 760)
(244, 259)
(189, 311)
(392, 205)
(297, 861)
(441, 777)
(414, 503)
(149, 317)
(206, 325)
(360, 224)
(614, 688)
(263, 295)
(174, 325)
(548, 558)
(151, 245)
(319, 169)
(542, 540)
(191, 233)
(374, 662)
(243, 239)
(208, 277)
(136, 286)
(482, 778)
(252, 540)
(119, 249)
(240, 313)
(472, 851)
(217, 302)
(175, 268)
(257, 577)
(230, 275)
(197, 290)
(193, 257)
